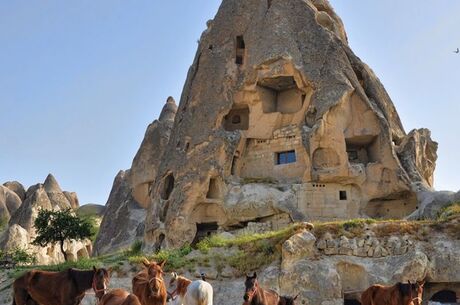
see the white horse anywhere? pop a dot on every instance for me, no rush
(187, 292)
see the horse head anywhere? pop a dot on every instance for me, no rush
(417, 292)
(251, 287)
(155, 275)
(101, 279)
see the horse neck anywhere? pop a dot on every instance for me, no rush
(83, 279)
(259, 297)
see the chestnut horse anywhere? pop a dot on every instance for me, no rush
(148, 284)
(59, 288)
(189, 292)
(119, 297)
(256, 295)
(398, 294)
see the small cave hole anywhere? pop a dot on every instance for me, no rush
(240, 49)
(204, 230)
(168, 186)
(343, 195)
(214, 191)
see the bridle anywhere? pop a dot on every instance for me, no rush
(419, 300)
(252, 293)
(96, 290)
(157, 279)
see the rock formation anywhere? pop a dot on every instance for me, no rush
(20, 231)
(278, 121)
(9, 203)
(123, 221)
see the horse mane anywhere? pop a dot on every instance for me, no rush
(182, 285)
(83, 279)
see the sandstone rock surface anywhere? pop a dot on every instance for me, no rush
(278, 118)
(21, 232)
(123, 220)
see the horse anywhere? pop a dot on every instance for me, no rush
(398, 294)
(287, 300)
(119, 297)
(189, 292)
(148, 284)
(256, 295)
(59, 288)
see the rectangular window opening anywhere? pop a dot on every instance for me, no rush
(343, 195)
(285, 157)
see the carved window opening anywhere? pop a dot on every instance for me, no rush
(445, 296)
(168, 186)
(362, 149)
(285, 157)
(343, 195)
(240, 49)
(214, 191)
(280, 94)
(237, 119)
(233, 170)
(204, 230)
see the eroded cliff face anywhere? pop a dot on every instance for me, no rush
(280, 121)
(124, 216)
(20, 231)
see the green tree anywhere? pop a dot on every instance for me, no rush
(58, 226)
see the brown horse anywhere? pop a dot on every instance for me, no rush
(398, 294)
(119, 297)
(59, 288)
(256, 295)
(148, 284)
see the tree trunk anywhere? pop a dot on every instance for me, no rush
(62, 250)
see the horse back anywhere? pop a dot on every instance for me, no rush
(199, 293)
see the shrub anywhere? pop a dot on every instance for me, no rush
(450, 211)
(20, 256)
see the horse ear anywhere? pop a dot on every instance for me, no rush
(109, 271)
(295, 298)
(94, 268)
(162, 264)
(409, 282)
(145, 262)
(255, 275)
(421, 283)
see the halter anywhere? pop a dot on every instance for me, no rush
(150, 282)
(252, 293)
(419, 300)
(95, 289)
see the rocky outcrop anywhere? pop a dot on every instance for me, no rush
(123, 220)
(145, 164)
(9, 203)
(21, 232)
(279, 117)
(16, 187)
(417, 153)
(432, 203)
(129, 196)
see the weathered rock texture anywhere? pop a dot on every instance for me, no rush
(21, 232)
(123, 220)
(277, 117)
(124, 217)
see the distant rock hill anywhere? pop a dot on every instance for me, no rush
(21, 208)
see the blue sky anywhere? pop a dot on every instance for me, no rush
(80, 81)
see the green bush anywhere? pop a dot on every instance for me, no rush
(449, 211)
(20, 256)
